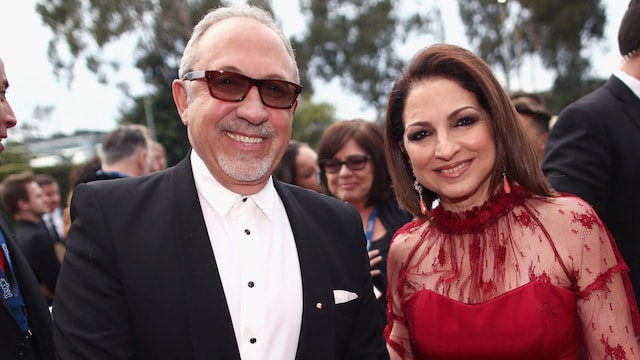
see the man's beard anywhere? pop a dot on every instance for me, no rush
(243, 167)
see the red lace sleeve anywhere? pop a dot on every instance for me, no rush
(396, 332)
(606, 303)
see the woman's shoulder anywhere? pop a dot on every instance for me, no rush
(563, 203)
(567, 216)
(410, 230)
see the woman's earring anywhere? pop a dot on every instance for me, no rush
(505, 183)
(423, 206)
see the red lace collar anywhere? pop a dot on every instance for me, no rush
(479, 217)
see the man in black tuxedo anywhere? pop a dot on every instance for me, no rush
(213, 258)
(593, 150)
(25, 321)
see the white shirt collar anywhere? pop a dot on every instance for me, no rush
(630, 81)
(223, 199)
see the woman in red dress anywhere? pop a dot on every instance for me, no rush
(502, 267)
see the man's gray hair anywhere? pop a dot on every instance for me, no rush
(217, 15)
(123, 142)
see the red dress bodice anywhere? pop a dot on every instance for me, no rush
(520, 277)
(541, 324)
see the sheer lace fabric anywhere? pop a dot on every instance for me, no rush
(521, 276)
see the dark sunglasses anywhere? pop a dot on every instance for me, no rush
(230, 86)
(353, 162)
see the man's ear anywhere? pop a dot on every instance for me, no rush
(22, 204)
(180, 99)
(143, 162)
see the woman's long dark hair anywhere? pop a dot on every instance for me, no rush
(515, 153)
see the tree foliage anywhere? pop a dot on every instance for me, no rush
(554, 31)
(356, 41)
(352, 40)
(85, 29)
(311, 120)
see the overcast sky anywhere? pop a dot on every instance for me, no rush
(88, 105)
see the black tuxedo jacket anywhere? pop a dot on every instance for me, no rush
(36, 244)
(12, 338)
(593, 151)
(139, 279)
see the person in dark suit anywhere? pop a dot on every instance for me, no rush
(25, 321)
(22, 195)
(214, 258)
(593, 150)
(126, 151)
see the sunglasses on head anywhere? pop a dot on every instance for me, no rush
(230, 86)
(353, 162)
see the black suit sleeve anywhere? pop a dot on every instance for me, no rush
(89, 308)
(46, 265)
(576, 156)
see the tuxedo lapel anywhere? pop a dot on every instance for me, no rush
(211, 331)
(630, 103)
(316, 334)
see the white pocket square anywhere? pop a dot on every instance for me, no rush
(343, 296)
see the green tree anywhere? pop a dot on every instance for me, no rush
(310, 121)
(495, 31)
(556, 32)
(353, 40)
(16, 153)
(356, 41)
(88, 29)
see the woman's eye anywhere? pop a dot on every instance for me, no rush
(466, 121)
(418, 135)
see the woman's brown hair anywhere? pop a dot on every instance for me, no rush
(369, 137)
(515, 154)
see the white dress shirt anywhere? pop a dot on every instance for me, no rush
(55, 219)
(258, 264)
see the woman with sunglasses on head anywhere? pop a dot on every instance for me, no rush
(353, 169)
(503, 267)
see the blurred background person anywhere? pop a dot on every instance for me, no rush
(22, 336)
(299, 166)
(78, 175)
(593, 149)
(126, 151)
(159, 157)
(353, 169)
(54, 218)
(535, 118)
(22, 195)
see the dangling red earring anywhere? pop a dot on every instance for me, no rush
(423, 207)
(505, 183)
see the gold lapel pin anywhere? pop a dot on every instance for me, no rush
(319, 306)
